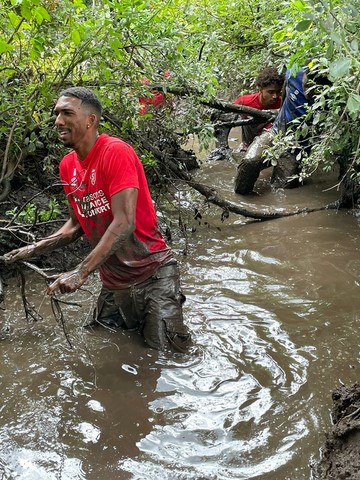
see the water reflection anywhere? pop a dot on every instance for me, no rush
(273, 308)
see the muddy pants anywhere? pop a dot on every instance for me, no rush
(251, 165)
(249, 133)
(153, 307)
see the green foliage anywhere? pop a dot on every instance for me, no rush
(148, 160)
(52, 213)
(327, 33)
(216, 47)
(30, 212)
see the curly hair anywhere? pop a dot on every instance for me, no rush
(269, 76)
(86, 96)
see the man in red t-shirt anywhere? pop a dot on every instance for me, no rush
(270, 85)
(110, 203)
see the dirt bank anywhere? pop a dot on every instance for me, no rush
(340, 456)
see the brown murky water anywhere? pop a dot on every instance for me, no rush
(274, 310)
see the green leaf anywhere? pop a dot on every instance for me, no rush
(5, 47)
(38, 17)
(353, 103)
(339, 68)
(14, 19)
(43, 12)
(330, 50)
(75, 36)
(354, 45)
(300, 6)
(336, 38)
(26, 12)
(303, 25)
(115, 44)
(79, 4)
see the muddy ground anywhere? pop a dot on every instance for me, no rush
(340, 456)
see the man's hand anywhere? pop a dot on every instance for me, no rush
(23, 253)
(67, 282)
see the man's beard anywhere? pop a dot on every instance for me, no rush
(68, 144)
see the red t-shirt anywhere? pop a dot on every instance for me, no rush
(156, 100)
(253, 100)
(111, 166)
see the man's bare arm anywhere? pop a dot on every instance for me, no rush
(123, 206)
(67, 234)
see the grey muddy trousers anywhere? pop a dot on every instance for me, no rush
(153, 307)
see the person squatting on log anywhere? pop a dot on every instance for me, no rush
(298, 96)
(110, 202)
(270, 84)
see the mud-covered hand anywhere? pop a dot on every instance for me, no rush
(23, 253)
(67, 282)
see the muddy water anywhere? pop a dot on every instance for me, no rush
(273, 308)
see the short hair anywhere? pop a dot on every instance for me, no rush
(85, 95)
(269, 76)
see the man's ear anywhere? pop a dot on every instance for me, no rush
(92, 120)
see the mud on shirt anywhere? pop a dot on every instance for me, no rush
(111, 166)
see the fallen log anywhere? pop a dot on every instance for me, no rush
(212, 196)
(258, 115)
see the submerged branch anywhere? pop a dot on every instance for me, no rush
(59, 317)
(30, 311)
(212, 196)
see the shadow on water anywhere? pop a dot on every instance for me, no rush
(273, 308)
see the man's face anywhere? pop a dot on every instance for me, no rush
(269, 95)
(72, 120)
